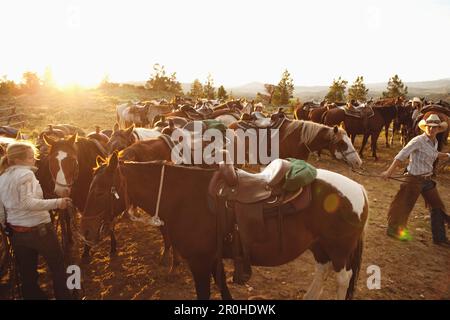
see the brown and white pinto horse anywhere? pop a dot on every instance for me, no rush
(331, 226)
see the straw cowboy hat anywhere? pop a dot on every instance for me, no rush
(416, 99)
(433, 120)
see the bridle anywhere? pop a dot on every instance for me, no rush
(107, 217)
(75, 176)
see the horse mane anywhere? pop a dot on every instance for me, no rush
(310, 130)
(88, 149)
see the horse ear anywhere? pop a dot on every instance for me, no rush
(19, 135)
(73, 139)
(49, 141)
(113, 161)
(129, 131)
(116, 127)
(100, 161)
(335, 129)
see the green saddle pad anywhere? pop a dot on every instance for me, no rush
(299, 175)
(215, 124)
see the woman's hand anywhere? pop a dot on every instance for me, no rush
(385, 175)
(63, 203)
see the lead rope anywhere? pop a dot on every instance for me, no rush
(155, 220)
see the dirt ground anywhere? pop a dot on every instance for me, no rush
(415, 269)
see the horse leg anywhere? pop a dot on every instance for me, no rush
(165, 250)
(201, 269)
(347, 275)
(343, 278)
(86, 251)
(393, 134)
(113, 249)
(386, 134)
(219, 271)
(320, 275)
(363, 144)
(373, 142)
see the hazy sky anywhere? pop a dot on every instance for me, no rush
(237, 41)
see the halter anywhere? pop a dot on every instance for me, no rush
(344, 153)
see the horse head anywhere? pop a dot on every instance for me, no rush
(342, 148)
(63, 163)
(120, 138)
(106, 199)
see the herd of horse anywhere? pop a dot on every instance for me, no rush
(108, 173)
(369, 119)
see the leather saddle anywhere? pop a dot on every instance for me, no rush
(257, 121)
(191, 113)
(243, 201)
(359, 112)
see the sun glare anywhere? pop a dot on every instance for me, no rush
(69, 78)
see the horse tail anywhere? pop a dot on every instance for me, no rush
(355, 264)
(296, 113)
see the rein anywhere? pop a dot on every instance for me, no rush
(399, 178)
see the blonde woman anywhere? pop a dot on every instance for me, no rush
(24, 213)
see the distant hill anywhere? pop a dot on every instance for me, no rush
(436, 89)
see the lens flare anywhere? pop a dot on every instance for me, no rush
(331, 203)
(404, 234)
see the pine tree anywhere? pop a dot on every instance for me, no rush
(270, 89)
(222, 93)
(336, 92)
(358, 90)
(31, 82)
(284, 90)
(159, 81)
(395, 88)
(208, 88)
(196, 90)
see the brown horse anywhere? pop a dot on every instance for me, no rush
(388, 109)
(68, 170)
(122, 138)
(315, 115)
(354, 126)
(298, 138)
(331, 225)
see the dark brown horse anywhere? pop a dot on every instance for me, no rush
(331, 225)
(315, 115)
(354, 126)
(403, 122)
(388, 108)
